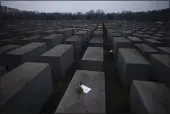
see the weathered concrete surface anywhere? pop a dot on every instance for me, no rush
(160, 67)
(52, 40)
(77, 43)
(91, 102)
(146, 50)
(26, 88)
(131, 65)
(96, 42)
(92, 59)
(134, 40)
(149, 98)
(60, 58)
(23, 54)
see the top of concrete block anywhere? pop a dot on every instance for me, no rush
(132, 56)
(52, 36)
(94, 54)
(96, 40)
(155, 96)
(81, 32)
(8, 48)
(152, 41)
(32, 37)
(93, 101)
(58, 50)
(15, 80)
(74, 38)
(165, 49)
(146, 48)
(120, 39)
(156, 38)
(163, 58)
(133, 38)
(26, 48)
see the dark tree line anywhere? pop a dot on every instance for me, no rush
(157, 15)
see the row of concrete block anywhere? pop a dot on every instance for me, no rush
(143, 63)
(92, 77)
(52, 63)
(126, 55)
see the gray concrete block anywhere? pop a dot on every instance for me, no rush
(156, 38)
(98, 34)
(26, 88)
(92, 59)
(23, 54)
(83, 35)
(165, 50)
(131, 65)
(48, 32)
(134, 40)
(153, 42)
(68, 32)
(121, 42)
(77, 44)
(96, 42)
(60, 58)
(149, 98)
(146, 50)
(3, 71)
(52, 40)
(127, 33)
(7, 48)
(28, 40)
(160, 67)
(91, 102)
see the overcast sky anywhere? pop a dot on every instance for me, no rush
(84, 6)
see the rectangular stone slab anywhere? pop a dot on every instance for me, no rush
(149, 98)
(27, 40)
(52, 40)
(153, 42)
(23, 54)
(77, 43)
(92, 59)
(98, 34)
(96, 42)
(5, 49)
(160, 67)
(26, 88)
(67, 32)
(131, 65)
(146, 50)
(134, 40)
(165, 50)
(60, 58)
(121, 42)
(83, 35)
(91, 102)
